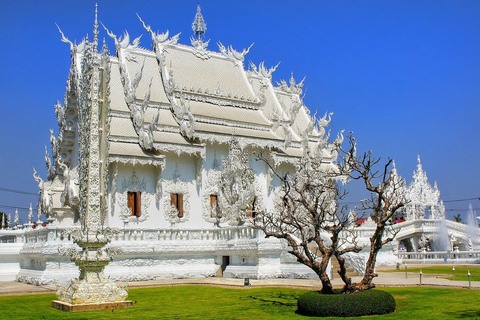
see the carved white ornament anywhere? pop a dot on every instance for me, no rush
(237, 185)
(292, 87)
(211, 187)
(261, 71)
(113, 187)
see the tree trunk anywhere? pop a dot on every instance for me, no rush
(321, 270)
(375, 246)
(327, 287)
(343, 273)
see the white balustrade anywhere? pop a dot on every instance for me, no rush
(57, 234)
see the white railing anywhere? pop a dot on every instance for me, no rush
(439, 255)
(186, 235)
(54, 234)
(408, 228)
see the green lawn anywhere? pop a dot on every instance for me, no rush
(201, 302)
(446, 272)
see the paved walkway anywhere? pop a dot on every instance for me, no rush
(385, 279)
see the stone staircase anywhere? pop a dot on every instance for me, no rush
(335, 266)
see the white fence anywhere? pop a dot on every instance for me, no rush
(441, 256)
(52, 233)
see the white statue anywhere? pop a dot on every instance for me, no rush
(45, 200)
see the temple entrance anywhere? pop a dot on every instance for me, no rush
(225, 263)
(406, 245)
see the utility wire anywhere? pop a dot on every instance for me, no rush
(19, 208)
(18, 191)
(458, 200)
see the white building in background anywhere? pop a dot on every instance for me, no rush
(424, 200)
(167, 119)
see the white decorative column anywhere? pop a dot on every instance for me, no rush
(91, 291)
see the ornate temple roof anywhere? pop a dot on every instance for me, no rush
(176, 97)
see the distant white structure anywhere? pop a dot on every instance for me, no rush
(424, 200)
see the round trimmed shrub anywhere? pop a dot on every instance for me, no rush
(363, 303)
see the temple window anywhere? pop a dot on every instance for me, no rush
(134, 202)
(213, 204)
(176, 200)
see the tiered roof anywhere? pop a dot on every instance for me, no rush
(176, 97)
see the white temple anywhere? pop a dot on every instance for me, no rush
(164, 120)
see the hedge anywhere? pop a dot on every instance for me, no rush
(368, 302)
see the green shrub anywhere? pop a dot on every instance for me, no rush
(368, 302)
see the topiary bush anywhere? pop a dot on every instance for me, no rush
(368, 302)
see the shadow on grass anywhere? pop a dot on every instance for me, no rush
(469, 314)
(279, 299)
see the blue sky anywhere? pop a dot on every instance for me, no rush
(404, 76)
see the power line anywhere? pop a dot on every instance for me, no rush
(459, 200)
(19, 208)
(18, 191)
(455, 200)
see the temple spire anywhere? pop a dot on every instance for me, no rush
(419, 164)
(95, 29)
(199, 26)
(30, 214)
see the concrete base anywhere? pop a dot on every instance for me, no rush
(65, 306)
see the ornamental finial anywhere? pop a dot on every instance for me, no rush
(199, 26)
(16, 220)
(30, 214)
(419, 164)
(95, 29)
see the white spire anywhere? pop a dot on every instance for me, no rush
(199, 26)
(30, 214)
(16, 220)
(39, 214)
(95, 29)
(419, 164)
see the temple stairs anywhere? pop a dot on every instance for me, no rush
(335, 266)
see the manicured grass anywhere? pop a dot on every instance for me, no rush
(201, 302)
(446, 272)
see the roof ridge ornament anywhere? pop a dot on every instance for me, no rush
(65, 39)
(292, 86)
(233, 54)
(199, 26)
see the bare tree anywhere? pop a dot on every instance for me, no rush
(387, 198)
(306, 209)
(307, 215)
